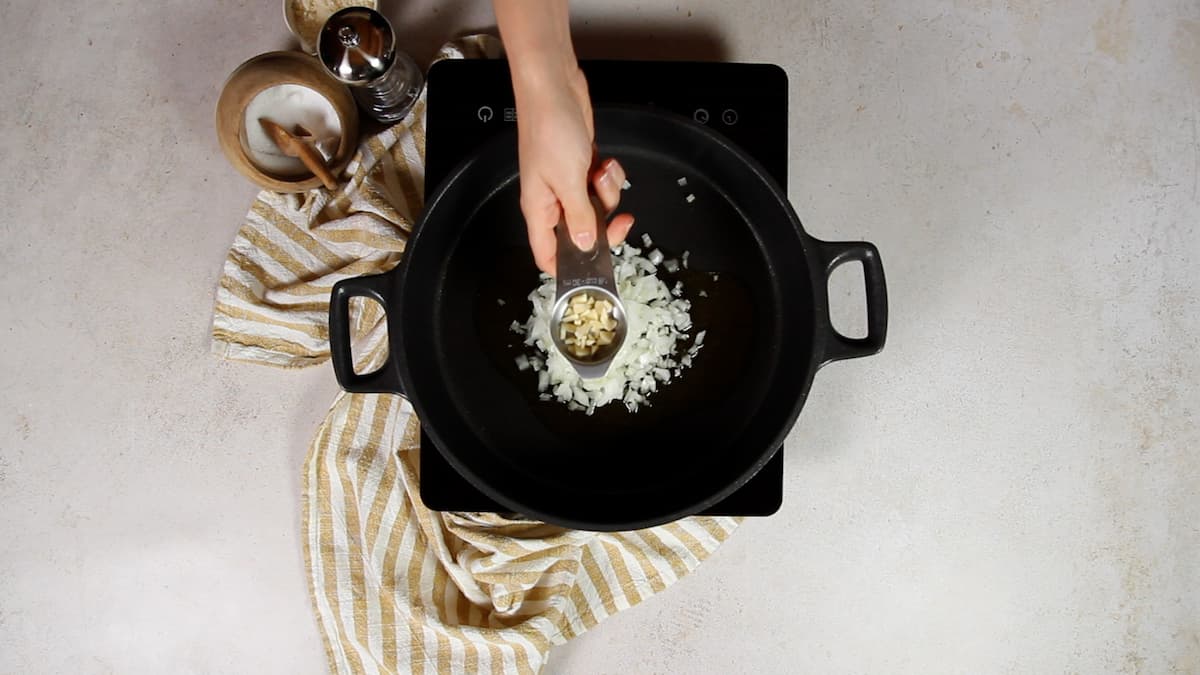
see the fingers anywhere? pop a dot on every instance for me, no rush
(541, 212)
(607, 181)
(541, 208)
(544, 246)
(618, 228)
(580, 216)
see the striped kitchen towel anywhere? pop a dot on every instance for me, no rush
(398, 588)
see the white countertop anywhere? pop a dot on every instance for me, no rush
(1011, 486)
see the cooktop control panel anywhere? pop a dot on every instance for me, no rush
(471, 100)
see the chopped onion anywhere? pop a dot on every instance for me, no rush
(522, 362)
(657, 327)
(646, 240)
(671, 265)
(626, 185)
(500, 301)
(682, 181)
(703, 293)
(656, 257)
(685, 259)
(690, 198)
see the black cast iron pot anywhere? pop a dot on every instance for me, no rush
(706, 434)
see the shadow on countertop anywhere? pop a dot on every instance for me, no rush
(423, 29)
(650, 41)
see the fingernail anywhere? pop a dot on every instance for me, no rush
(611, 169)
(584, 240)
(606, 179)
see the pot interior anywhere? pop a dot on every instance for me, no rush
(705, 432)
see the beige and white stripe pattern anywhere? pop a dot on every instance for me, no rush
(398, 588)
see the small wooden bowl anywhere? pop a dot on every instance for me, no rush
(267, 70)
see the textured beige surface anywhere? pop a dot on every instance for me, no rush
(1010, 487)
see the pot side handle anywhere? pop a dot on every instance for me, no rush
(382, 381)
(837, 346)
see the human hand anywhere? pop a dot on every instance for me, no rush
(557, 160)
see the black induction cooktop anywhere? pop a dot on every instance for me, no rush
(469, 101)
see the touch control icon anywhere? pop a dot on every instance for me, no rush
(729, 116)
(484, 113)
(701, 115)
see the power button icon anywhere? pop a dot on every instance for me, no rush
(701, 115)
(484, 113)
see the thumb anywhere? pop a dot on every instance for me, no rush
(580, 217)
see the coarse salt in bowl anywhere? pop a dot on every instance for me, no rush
(289, 106)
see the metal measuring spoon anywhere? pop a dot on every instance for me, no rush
(588, 272)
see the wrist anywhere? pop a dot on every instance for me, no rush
(539, 76)
(537, 40)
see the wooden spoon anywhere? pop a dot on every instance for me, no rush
(300, 145)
